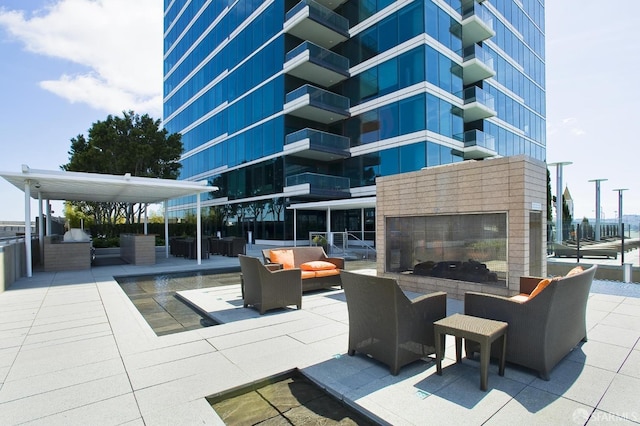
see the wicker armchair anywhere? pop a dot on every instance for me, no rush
(265, 289)
(542, 329)
(385, 324)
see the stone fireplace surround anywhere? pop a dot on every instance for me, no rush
(514, 185)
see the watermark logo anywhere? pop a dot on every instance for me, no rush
(582, 415)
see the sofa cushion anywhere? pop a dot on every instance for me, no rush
(308, 274)
(541, 286)
(284, 257)
(327, 273)
(317, 265)
(520, 298)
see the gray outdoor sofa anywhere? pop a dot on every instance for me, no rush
(543, 329)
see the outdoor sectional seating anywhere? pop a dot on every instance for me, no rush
(318, 270)
(545, 322)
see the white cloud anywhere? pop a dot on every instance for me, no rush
(118, 41)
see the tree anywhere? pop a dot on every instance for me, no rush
(129, 144)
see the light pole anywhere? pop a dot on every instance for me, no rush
(559, 166)
(597, 181)
(620, 209)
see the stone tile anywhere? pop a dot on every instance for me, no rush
(316, 334)
(113, 411)
(52, 337)
(602, 355)
(621, 398)
(158, 356)
(50, 403)
(601, 305)
(631, 366)
(174, 370)
(30, 363)
(581, 383)
(189, 413)
(623, 321)
(613, 335)
(535, 406)
(24, 388)
(461, 400)
(626, 308)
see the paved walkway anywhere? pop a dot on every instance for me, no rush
(75, 350)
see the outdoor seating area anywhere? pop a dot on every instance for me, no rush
(319, 271)
(103, 357)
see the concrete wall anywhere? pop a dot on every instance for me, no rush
(515, 185)
(12, 263)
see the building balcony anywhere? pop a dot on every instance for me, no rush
(309, 20)
(478, 104)
(477, 64)
(331, 4)
(316, 185)
(316, 64)
(317, 145)
(316, 104)
(477, 145)
(477, 24)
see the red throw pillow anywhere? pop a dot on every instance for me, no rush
(284, 257)
(317, 265)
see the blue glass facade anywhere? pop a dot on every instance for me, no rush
(408, 84)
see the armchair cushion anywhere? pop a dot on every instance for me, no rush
(541, 286)
(317, 265)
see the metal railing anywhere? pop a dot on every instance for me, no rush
(343, 243)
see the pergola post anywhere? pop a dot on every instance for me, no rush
(27, 226)
(198, 230)
(40, 227)
(166, 229)
(48, 216)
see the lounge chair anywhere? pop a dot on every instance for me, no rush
(264, 289)
(385, 324)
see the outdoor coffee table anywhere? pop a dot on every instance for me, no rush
(481, 330)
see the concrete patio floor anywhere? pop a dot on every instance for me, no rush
(75, 350)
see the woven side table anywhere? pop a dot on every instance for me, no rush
(481, 330)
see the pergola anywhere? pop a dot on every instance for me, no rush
(75, 186)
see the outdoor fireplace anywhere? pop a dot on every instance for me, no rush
(467, 247)
(469, 226)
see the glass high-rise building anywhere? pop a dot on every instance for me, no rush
(285, 102)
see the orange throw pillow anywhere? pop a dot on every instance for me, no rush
(575, 271)
(317, 265)
(541, 286)
(284, 257)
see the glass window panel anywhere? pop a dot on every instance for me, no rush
(388, 116)
(433, 113)
(433, 154)
(389, 162)
(389, 31)
(412, 114)
(388, 77)
(432, 66)
(412, 157)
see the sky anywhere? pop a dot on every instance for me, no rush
(69, 63)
